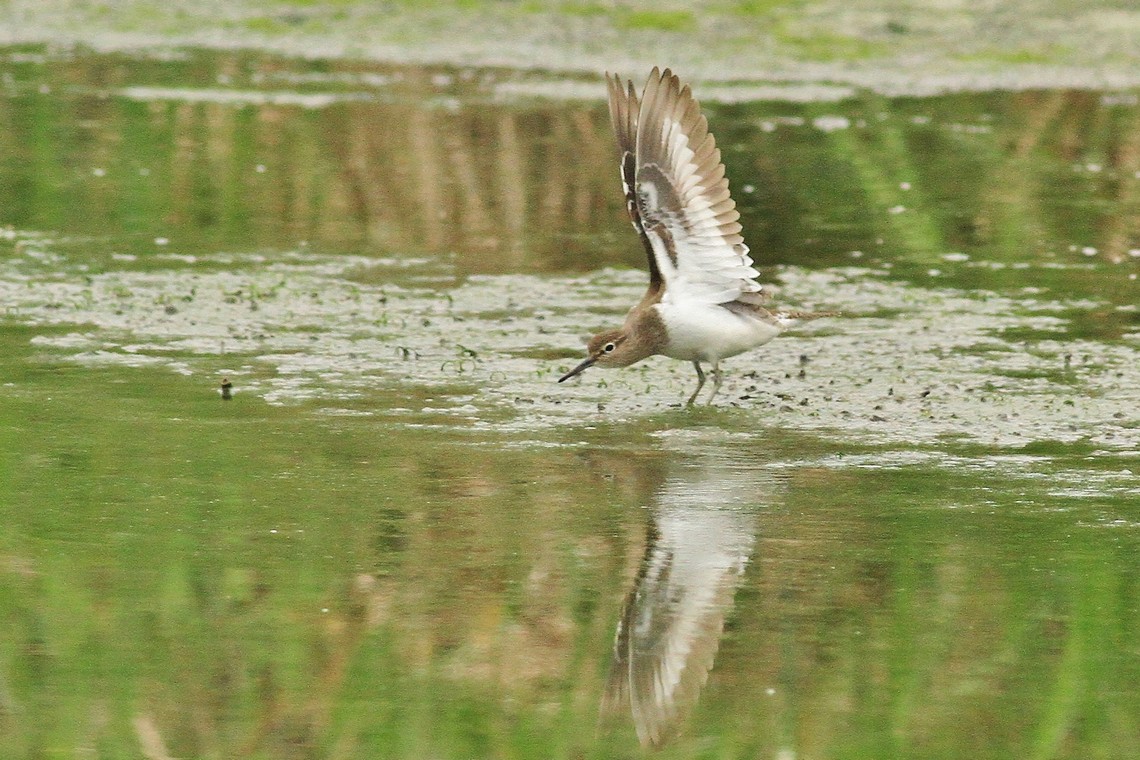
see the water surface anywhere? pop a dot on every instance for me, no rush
(401, 538)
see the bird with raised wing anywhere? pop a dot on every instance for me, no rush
(703, 303)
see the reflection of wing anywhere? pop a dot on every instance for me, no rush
(674, 616)
(678, 195)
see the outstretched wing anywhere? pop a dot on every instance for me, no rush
(624, 108)
(678, 194)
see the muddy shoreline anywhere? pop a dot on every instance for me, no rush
(893, 49)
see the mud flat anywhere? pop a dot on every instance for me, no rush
(893, 48)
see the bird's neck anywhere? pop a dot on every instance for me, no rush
(647, 333)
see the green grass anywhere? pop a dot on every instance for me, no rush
(833, 47)
(1036, 54)
(657, 20)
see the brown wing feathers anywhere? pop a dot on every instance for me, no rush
(624, 112)
(668, 110)
(676, 190)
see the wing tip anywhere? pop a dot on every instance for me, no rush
(667, 107)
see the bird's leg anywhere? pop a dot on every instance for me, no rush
(700, 383)
(716, 381)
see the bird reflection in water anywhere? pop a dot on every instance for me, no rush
(701, 534)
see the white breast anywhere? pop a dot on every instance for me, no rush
(709, 333)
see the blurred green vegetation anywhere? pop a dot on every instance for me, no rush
(1005, 178)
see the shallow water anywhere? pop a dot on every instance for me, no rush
(401, 538)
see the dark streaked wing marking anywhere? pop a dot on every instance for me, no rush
(624, 108)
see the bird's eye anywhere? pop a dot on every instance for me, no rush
(608, 347)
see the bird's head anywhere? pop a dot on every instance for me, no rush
(612, 348)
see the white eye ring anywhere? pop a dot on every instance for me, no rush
(608, 347)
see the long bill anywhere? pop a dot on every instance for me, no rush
(579, 369)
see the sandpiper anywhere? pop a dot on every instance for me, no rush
(703, 303)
